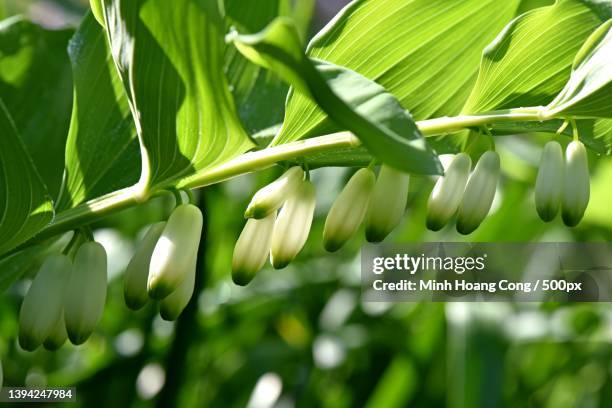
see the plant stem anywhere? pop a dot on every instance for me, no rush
(261, 159)
(445, 125)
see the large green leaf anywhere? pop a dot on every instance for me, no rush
(25, 205)
(588, 93)
(36, 86)
(259, 94)
(102, 152)
(530, 60)
(425, 52)
(352, 101)
(170, 57)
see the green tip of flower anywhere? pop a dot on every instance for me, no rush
(279, 263)
(134, 304)
(375, 235)
(28, 343)
(256, 212)
(78, 338)
(241, 277)
(332, 245)
(51, 345)
(169, 315)
(158, 290)
(571, 219)
(465, 228)
(434, 224)
(547, 214)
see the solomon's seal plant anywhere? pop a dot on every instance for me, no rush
(448, 192)
(159, 108)
(252, 248)
(43, 305)
(173, 255)
(85, 292)
(349, 209)
(479, 193)
(549, 184)
(292, 225)
(577, 190)
(272, 196)
(137, 272)
(387, 204)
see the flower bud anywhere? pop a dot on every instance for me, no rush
(58, 335)
(348, 210)
(172, 305)
(172, 257)
(86, 292)
(271, 197)
(252, 249)
(137, 271)
(42, 305)
(292, 225)
(387, 204)
(549, 183)
(479, 193)
(448, 192)
(577, 188)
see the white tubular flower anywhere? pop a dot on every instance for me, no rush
(448, 192)
(252, 249)
(549, 183)
(172, 305)
(479, 193)
(137, 271)
(387, 204)
(42, 305)
(292, 225)
(86, 292)
(577, 188)
(174, 251)
(58, 335)
(349, 209)
(270, 198)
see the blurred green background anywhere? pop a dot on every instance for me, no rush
(302, 336)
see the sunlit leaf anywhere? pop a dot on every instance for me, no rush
(170, 57)
(25, 205)
(102, 152)
(425, 52)
(530, 60)
(36, 86)
(353, 102)
(588, 93)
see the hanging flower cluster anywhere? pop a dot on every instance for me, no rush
(65, 300)
(163, 267)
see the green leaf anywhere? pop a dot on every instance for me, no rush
(425, 52)
(259, 94)
(170, 58)
(36, 86)
(352, 101)
(25, 205)
(102, 151)
(588, 93)
(530, 60)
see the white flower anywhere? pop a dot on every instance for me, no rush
(292, 225)
(271, 197)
